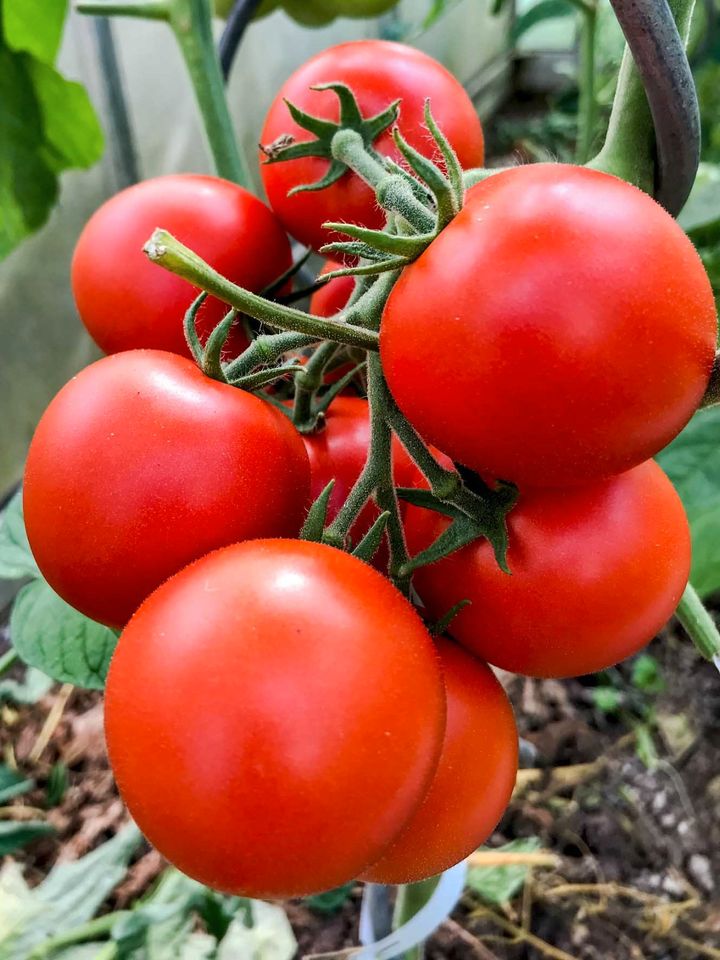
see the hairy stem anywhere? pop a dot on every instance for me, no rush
(699, 625)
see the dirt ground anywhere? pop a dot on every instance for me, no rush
(631, 853)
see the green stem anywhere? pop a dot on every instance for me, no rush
(411, 898)
(698, 624)
(162, 248)
(587, 114)
(8, 659)
(191, 21)
(307, 383)
(88, 931)
(629, 148)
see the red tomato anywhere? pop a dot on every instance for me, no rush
(562, 329)
(595, 573)
(330, 299)
(378, 73)
(274, 714)
(127, 302)
(141, 464)
(474, 780)
(338, 452)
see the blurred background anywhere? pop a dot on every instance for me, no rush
(613, 836)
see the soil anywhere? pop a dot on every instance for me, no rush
(636, 873)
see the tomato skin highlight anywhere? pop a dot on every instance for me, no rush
(595, 572)
(563, 329)
(126, 302)
(330, 689)
(378, 71)
(332, 298)
(140, 465)
(474, 780)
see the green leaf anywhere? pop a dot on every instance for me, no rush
(14, 835)
(16, 559)
(51, 635)
(57, 784)
(69, 896)
(544, 10)
(692, 461)
(47, 124)
(498, 885)
(12, 784)
(270, 937)
(331, 901)
(34, 26)
(32, 688)
(73, 135)
(607, 699)
(646, 674)
(702, 210)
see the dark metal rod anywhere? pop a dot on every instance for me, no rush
(237, 23)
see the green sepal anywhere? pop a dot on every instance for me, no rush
(403, 246)
(370, 543)
(452, 164)
(364, 269)
(350, 248)
(252, 381)
(351, 118)
(438, 628)
(336, 389)
(426, 499)
(442, 190)
(420, 191)
(316, 519)
(191, 337)
(211, 362)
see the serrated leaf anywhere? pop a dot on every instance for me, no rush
(498, 885)
(16, 559)
(14, 835)
(12, 784)
(54, 637)
(34, 26)
(30, 689)
(692, 461)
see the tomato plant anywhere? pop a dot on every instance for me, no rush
(127, 303)
(473, 782)
(378, 72)
(304, 677)
(531, 324)
(595, 572)
(331, 298)
(141, 464)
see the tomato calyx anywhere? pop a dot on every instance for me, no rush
(368, 128)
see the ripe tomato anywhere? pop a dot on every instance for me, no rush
(141, 464)
(378, 72)
(561, 329)
(474, 780)
(330, 299)
(127, 302)
(595, 572)
(274, 714)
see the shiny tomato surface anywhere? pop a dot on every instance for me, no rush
(141, 464)
(474, 780)
(274, 715)
(127, 302)
(378, 72)
(595, 572)
(561, 329)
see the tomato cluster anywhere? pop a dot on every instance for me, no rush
(279, 717)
